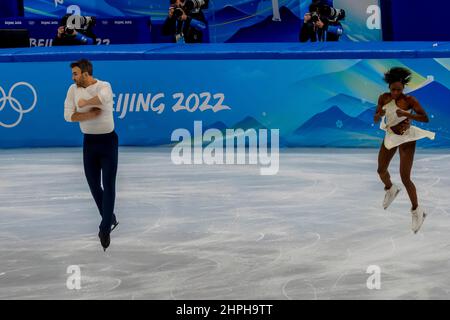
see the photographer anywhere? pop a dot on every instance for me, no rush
(321, 23)
(75, 30)
(186, 21)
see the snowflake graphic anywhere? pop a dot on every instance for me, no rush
(339, 124)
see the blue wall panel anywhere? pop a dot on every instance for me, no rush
(323, 96)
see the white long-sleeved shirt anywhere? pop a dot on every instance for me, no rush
(104, 123)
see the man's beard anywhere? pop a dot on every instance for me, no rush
(80, 84)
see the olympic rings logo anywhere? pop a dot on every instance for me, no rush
(15, 104)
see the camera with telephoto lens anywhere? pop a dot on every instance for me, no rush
(74, 22)
(190, 6)
(315, 17)
(331, 13)
(323, 11)
(195, 5)
(177, 12)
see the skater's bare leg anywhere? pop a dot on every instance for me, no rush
(406, 152)
(384, 159)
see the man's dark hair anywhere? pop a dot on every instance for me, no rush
(85, 66)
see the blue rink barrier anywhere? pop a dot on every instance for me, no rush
(317, 95)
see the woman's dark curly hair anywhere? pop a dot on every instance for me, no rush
(397, 74)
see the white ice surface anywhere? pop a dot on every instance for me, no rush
(223, 232)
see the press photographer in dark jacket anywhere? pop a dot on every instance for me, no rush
(186, 22)
(75, 30)
(321, 23)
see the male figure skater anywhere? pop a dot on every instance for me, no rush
(89, 101)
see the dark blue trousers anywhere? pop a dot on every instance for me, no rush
(100, 157)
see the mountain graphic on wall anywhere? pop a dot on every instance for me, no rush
(245, 124)
(424, 66)
(329, 118)
(363, 80)
(228, 13)
(435, 100)
(249, 123)
(348, 104)
(248, 7)
(335, 128)
(286, 30)
(367, 115)
(219, 125)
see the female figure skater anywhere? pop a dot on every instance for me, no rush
(396, 110)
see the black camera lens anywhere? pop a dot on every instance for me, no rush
(177, 13)
(314, 17)
(69, 31)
